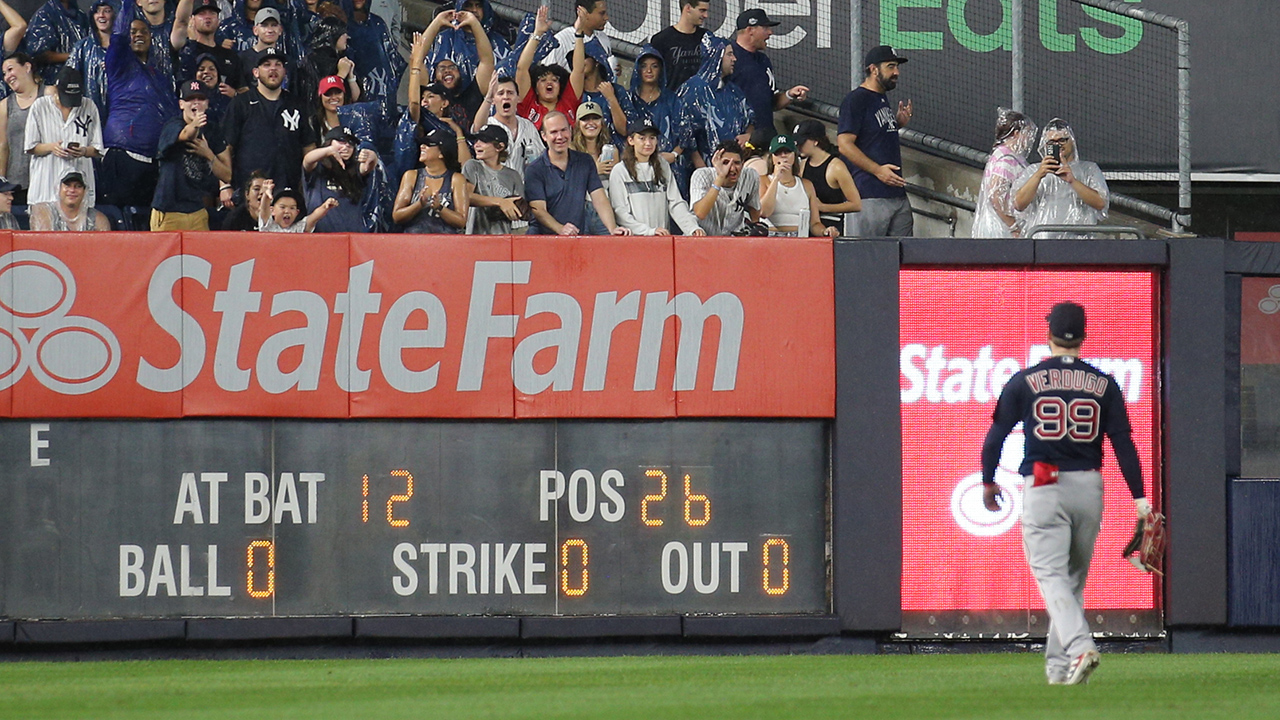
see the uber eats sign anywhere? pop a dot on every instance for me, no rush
(1106, 32)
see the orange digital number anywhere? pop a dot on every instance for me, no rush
(564, 568)
(391, 503)
(662, 495)
(689, 499)
(250, 561)
(364, 502)
(785, 585)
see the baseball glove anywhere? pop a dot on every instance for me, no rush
(1146, 548)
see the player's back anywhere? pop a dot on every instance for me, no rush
(1066, 405)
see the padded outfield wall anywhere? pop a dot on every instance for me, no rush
(220, 437)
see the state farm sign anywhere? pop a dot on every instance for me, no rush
(166, 325)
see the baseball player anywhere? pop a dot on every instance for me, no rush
(1065, 405)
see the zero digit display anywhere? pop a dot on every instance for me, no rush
(963, 569)
(170, 518)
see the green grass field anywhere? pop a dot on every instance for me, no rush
(1133, 687)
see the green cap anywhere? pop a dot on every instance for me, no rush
(782, 142)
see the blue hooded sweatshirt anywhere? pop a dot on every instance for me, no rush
(55, 28)
(142, 98)
(714, 108)
(377, 58)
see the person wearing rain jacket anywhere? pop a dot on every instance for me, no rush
(715, 109)
(1062, 189)
(236, 30)
(141, 100)
(89, 56)
(598, 86)
(653, 104)
(461, 59)
(994, 216)
(464, 44)
(378, 62)
(54, 30)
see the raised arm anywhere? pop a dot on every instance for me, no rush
(181, 20)
(484, 48)
(17, 27)
(578, 67)
(541, 25)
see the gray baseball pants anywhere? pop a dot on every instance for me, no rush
(1060, 524)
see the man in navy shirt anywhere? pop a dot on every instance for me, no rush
(754, 73)
(265, 126)
(868, 141)
(558, 183)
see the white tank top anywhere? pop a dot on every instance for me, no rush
(788, 205)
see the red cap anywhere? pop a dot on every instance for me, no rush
(333, 82)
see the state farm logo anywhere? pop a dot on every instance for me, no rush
(967, 507)
(1270, 305)
(68, 354)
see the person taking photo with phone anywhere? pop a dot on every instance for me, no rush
(1062, 189)
(63, 135)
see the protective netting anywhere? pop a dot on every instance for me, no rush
(1114, 78)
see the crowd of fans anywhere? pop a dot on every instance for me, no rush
(202, 114)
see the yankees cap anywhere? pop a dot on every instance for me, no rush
(1066, 321)
(8, 187)
(265, 14)
(493, 135)
(882, 54)
(755, 17)
(332, 82)
(270, 54)
(70, 87)
(193, 89)
(341, 134)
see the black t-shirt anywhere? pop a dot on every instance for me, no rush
(266, 135)
(464, 105)
(240, 219)
(682, 54)
(186, 179)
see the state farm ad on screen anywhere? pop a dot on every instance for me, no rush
(964, 334)
(247, 324)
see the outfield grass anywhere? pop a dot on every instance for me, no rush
(1132, 687)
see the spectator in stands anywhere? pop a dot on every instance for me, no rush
(280, 211)
(69, 213)
(643, 190)
(375, 53)
(164, 35)
(235, 32)
(208, 73)
(26, 85)
(868, 139)
(653, 104)
(197, 37)
(495, 190)
(89, 56)
(140, 100)
(339, 169)
(598, 87)
(463, 55)
(54, 29)
(1062, 189)
(715, 109)
(63, 135)
(994, 216)
(833, 185)
(193, 158)
(680, 46)
(327, 57)
(558, 181)
(546, 88)
(7, 219)
(590, 137)
(15, 31)
(244, 214)
(753, 72)
(591, 17)
(267, 31)
(726, 195)
(433, 197)
(526, 144)
(786, 199)
(265, 127)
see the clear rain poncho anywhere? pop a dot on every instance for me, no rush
(1055, 202)
(714, 108)
(1015, 134)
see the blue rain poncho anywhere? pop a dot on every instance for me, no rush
(90, 58)
(142, 96)
(55, 28)
(596, 52)
(665, 115)
(714, 109)
(460, 46)
(376, 56)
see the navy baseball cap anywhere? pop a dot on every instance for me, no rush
(70, 87)
(8, 187)
(755, 17)
(642, 127)
(202, 5)
(290, 193)
(883, 54)
(1066, 321)
(438, 138)
(493, 135)
(270, 54)
(193, 89)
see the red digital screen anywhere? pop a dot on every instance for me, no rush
(964, 334)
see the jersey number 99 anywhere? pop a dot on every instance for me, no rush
(1057, 419)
